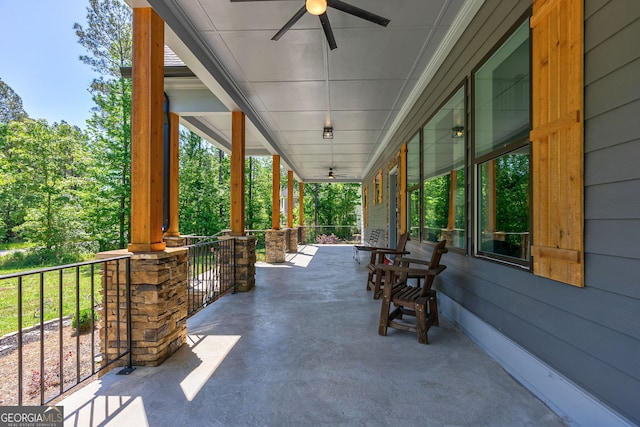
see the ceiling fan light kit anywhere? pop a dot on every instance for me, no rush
(319, 8)
(316, 7)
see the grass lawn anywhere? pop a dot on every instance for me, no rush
(41, 295)
(8, 246)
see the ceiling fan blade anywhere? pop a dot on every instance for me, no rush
(328, 32)
(356, 11)
(299, 14)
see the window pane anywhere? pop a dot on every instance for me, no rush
(444, 138)
(444, 209)
(504, 205)
(414, 213)
(413, 161)
(444, 184)
(502, 94)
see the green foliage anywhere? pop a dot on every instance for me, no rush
(204, 187)
(332, 204)
(436, 202)
(10, 105)
(85, 320)
(512, 195)
(46, 167)
(108, 40)
(258, 193)
(38, 257)
(107, 37)
(109, 180)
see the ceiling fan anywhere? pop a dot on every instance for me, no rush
(319, 8)
(333, 175)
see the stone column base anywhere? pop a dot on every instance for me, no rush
(244, 261)
(302, 234)
(276, 245)
(158, 305)
(292, 240)
(175, 242)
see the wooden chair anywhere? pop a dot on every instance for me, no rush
(418, 301)
(369, 245)
(379, 257)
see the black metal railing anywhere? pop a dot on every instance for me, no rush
(192, 239)
(54, 328)
(210, 272)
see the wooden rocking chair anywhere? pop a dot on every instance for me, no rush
(379, 257)
(415, 301)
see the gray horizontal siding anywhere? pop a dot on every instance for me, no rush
(624, 195)
(617, 126)
(592, 334)
(613, 164)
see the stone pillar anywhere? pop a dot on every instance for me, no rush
(302, 233)
(158, 305)
(292, 240)
(245, 262)
(276, 245)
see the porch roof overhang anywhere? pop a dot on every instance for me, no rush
(290, 89)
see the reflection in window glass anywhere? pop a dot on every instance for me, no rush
(413, 161)
(502, 153)
(502, 94)
(504, 205)
(413, 186)
(414, 213)
(444, 177)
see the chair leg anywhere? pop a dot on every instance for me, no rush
(377, 285)
(433, 307)
(384, 315)
(421, 323)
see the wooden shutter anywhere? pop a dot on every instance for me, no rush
(557, 140)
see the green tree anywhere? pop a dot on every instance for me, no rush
(12, 206)
(512, 199)
(108, 198)
(258, 193)
(48, 164)
(204, 184)
(332, 204)
(10, 105)
(108, 40)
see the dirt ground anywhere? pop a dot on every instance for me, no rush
(74, 366)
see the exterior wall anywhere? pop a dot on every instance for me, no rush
(589, 335)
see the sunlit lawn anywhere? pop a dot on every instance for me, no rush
(41, 295)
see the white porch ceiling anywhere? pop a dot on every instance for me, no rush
(291, 88)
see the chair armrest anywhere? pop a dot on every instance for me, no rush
(407, 270)
(405, 261)
(413, 271)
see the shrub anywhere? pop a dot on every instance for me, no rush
(83, 323)
(327, 240)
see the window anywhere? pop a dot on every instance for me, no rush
(413, 186)
(501, 151)
(444, 174)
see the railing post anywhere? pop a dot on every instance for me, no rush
(129, 368)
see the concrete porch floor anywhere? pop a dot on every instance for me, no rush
(302, 349)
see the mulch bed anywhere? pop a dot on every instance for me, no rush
(32, 377)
